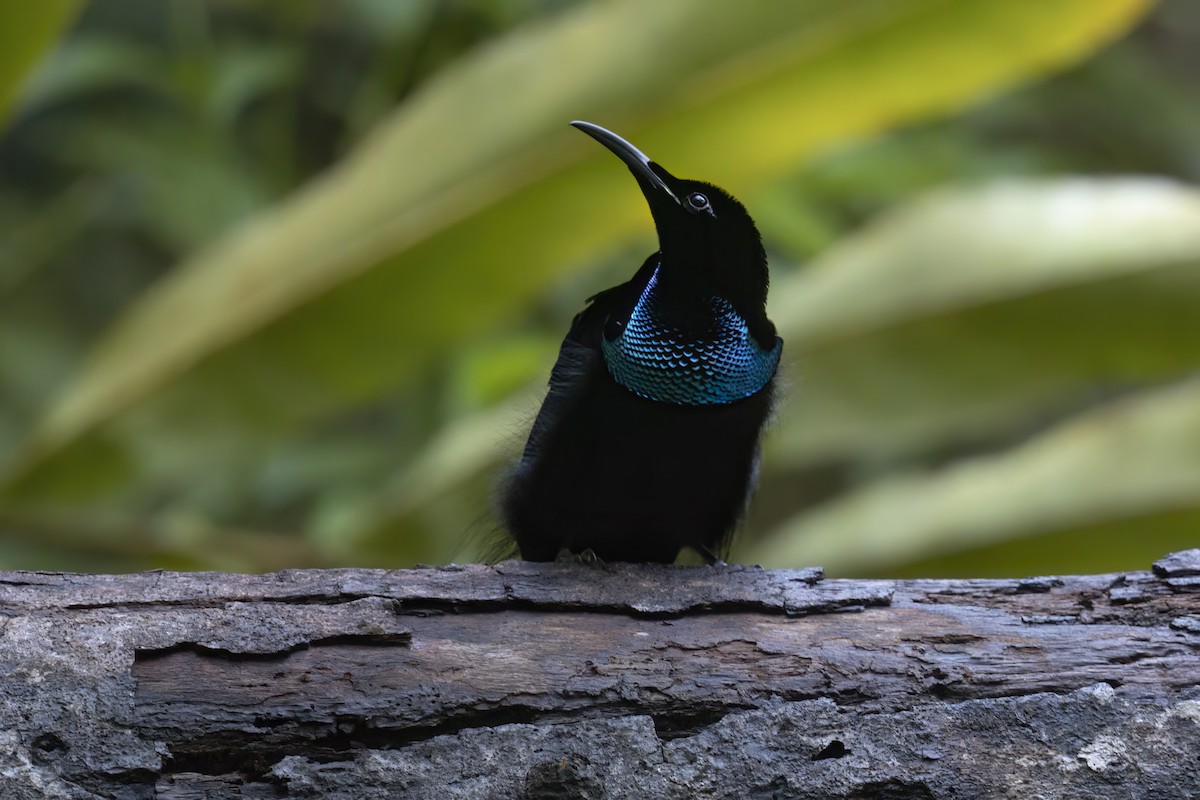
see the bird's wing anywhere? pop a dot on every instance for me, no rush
(588, 325)
(580, 350)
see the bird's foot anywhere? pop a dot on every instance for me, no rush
(710, 558)
(587, 557)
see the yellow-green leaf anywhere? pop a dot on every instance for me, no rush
(980, 310)
(27, 30)
(1119, 480)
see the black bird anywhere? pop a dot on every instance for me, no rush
(647, 441)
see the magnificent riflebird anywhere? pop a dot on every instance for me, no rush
(647, 441)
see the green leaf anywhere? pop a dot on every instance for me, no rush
(27, 30)
(96, 63)
(184, 182)
(982, 310)
(244, 74)
(92, 542)
(461, 451)
(1112, 488)
(460, 208)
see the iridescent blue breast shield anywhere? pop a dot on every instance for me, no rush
(673, 360)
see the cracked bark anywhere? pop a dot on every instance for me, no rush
(546, 681)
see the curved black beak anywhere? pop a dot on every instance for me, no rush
(645, 170)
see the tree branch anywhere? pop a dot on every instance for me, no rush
(540, 681)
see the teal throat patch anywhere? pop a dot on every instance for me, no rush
(710, 358)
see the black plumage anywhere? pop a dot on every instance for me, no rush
(647, 441)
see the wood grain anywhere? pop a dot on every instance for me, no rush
(555, 680)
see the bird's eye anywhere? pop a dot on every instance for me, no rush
(697, 201)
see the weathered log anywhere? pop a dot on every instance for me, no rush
(542, 681)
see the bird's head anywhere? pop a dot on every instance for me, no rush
(710, 245)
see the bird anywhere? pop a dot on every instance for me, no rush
(647, 441)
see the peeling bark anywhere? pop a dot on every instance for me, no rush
(565, 681)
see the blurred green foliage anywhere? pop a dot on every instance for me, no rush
(26, 30)
(280, 282)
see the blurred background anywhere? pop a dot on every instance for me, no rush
(281, 281)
